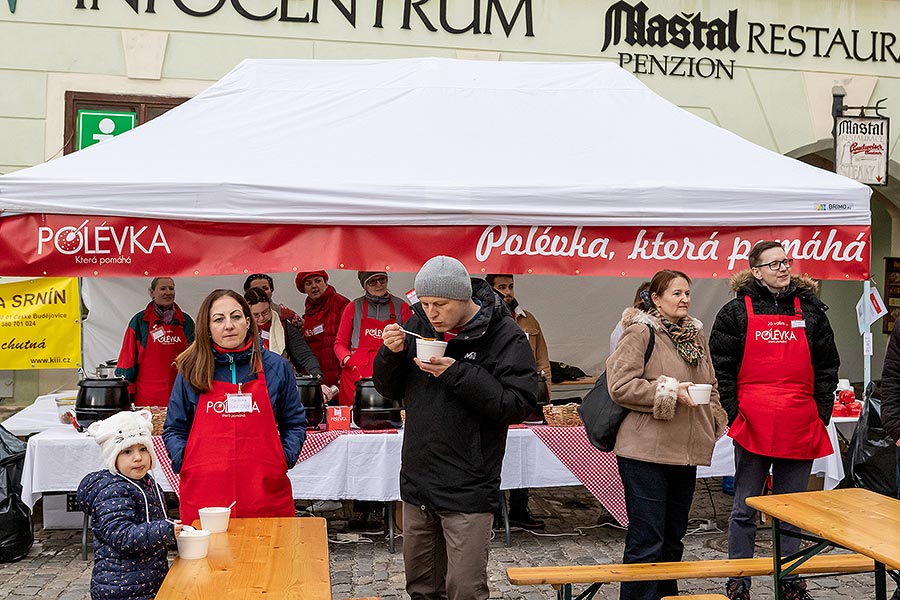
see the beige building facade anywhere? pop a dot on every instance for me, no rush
(763, 69)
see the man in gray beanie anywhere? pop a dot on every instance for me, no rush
(458, 409)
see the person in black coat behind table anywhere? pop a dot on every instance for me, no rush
(458, 409)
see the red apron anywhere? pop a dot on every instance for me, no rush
(235, 456)
(157, 371)
(777, 413)
(314, 334)
(360, 363)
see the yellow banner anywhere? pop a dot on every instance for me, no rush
(40, 324)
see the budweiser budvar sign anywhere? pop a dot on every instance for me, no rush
(59, 245)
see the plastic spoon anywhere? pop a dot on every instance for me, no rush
(421, 337)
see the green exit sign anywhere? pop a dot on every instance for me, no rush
(95, 126)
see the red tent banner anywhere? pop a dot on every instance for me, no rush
(35, 245)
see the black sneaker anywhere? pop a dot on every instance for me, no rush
(525, 521)
(737, 590)
(795, 589)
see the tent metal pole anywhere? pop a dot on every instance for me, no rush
(867, 356)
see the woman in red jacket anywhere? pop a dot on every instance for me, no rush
(321, 320)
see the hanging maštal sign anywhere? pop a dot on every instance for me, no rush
(861, 148)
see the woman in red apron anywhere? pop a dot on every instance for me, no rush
(777, 364)
(154, 338)
(359, 336)
(235, 423)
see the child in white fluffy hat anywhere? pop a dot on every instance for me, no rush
(127, 510)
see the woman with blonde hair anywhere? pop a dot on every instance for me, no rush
(235, 424)
(667, 433)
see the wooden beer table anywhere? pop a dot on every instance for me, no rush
(856, 519)
(257, 558)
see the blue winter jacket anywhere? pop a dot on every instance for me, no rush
(130, 535)
(290, 416)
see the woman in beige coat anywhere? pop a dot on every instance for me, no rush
(666, 434)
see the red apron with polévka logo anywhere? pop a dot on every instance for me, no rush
(777, 413)
(157, 371)
(361, 361)
(235, 457)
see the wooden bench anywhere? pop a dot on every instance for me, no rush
(562, 578)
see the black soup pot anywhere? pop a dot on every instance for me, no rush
(371, 410)
(543, 398)
(98, 399)
(310, 388)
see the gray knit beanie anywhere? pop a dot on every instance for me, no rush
(444, 277)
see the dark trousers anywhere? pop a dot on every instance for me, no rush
(518, 503)
(750, 472)
(658, 502)
(445, 554)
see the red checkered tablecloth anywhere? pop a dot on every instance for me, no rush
(315, 441)
(597, 470)
(166, 465)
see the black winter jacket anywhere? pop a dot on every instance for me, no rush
(456, 424)
(129, 552)
(726, 342)
(890, 386)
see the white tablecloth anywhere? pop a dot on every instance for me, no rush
(39, 416)
(361, 467)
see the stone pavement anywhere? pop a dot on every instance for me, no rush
(54, 569)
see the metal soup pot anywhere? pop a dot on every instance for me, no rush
(310, 388)
(371, 410)
(98, 399)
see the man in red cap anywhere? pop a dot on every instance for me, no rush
(321, 320)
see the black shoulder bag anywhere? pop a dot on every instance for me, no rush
(600, 413)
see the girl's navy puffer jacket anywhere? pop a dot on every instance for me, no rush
(129, 552)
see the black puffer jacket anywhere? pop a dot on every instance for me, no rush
(726, 342)
(890, 386)
(129, 551)
(456, 424)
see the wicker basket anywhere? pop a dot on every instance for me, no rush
(158, 419)
(565, 415)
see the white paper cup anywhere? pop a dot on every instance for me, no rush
(700, 392)
(214, 519)
(193, 544)
(425, 349)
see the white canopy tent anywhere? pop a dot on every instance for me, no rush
(530, 168)
(434, 141)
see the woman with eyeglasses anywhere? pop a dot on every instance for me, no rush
(667, 434)
(281, 337)
(359, 335)
(777, 366)
(235, 423)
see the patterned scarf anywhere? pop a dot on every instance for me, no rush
(684, 336)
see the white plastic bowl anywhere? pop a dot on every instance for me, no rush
(214, 519)
(425, 349)
(193, 544)
(700, 392)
